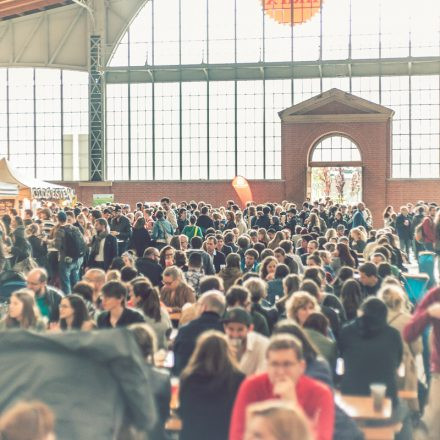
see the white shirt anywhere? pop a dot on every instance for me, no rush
(253, 359)
(100, 256)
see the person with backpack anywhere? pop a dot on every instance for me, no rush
(71, 248)
(192, 230)
(162, 231)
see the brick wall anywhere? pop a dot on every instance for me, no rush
(215, 192)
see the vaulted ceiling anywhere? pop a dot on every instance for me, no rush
(16, 8)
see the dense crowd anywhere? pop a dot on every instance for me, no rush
(259, 314)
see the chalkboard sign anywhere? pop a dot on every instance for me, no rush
(6, 205)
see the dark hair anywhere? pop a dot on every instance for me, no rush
(369, 269)
(84, 289)
(140, 223)
(210, 282)
(317, 321)
(195, 260)
(163, 252)
(180, 259)
(314, 274)
(237, 295)
(128, 273)
(196, 242)
(281, 271)
(80, 313)
(117, 264)
(233, 261)
(344, 255)
(292, 328)
(384, 270)
(351, 297)
(114, 289)
(310, 287)
(148, 297)
(212, 360)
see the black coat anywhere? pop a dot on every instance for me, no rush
(129, 316)
(206, 405)
(150, 269)
(370, 357)
(110, 251)
(123, 226)
(186, 338)
(140, 240)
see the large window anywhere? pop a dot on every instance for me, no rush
(227, 31)
(44, 122)
(204, 127)
(335, 149)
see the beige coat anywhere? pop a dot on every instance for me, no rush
(398, 320)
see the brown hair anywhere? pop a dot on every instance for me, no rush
(29, 314)
(27, 420)
(298, 301)
(212, 358)
(284, 421)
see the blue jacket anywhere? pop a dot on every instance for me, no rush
(359, 220)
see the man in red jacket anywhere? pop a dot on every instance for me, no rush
(428, 312)
(285, 380)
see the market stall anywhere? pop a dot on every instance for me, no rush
(29, 191)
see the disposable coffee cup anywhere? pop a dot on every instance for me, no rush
(378, 391)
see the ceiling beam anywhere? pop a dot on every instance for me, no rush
(279, 70)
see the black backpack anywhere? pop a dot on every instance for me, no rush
(74, 244)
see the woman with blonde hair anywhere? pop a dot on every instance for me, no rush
(398, 317)
(208, 387)
(275, 242)
(23, 312)
(300, 305)
(276, 420)
(358, 240)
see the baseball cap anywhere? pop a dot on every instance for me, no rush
(238, 315)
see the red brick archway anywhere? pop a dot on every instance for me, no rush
(367, 124)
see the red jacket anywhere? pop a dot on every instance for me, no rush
(315, 398)
(420, 321)
(428, 230)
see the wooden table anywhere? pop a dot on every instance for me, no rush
(360, 408)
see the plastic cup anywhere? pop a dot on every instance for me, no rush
(378, 391)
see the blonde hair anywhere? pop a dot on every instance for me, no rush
(358, 233)
(27, 420)
(394, 297)
(113, 275)
(285, 421)
(298, 301)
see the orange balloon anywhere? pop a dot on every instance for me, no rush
(291, 11)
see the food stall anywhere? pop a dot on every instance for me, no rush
(29, 192)
(8, 196)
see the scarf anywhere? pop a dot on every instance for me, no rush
(97, 243)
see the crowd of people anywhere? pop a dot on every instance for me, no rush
(259, 314)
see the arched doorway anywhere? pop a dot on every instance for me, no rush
(335, 170)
